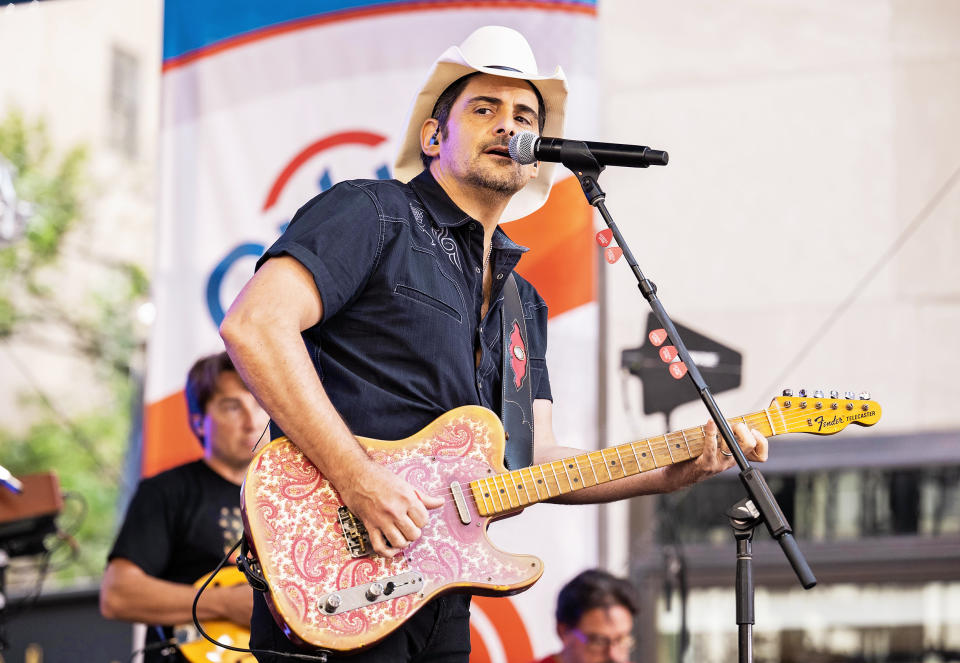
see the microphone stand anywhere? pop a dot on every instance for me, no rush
(577, 157)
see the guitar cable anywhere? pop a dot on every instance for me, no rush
(255, 580)
(250, 568)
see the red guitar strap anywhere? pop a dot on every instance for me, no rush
(517, 403)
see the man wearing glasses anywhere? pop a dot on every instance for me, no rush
(595, 614)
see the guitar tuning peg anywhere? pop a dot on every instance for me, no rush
(849, 395)
(802, 393)
(788, 392)
(864, 395)
(834, 393)
(605, 237)
(818, 393)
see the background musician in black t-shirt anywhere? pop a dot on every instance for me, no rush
(182, 522)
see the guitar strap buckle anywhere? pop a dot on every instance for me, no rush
(249, 566)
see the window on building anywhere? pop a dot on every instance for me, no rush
(124, 105)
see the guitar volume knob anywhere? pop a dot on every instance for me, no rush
(332, 603)
(374, 591)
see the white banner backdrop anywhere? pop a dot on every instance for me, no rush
(263, 109)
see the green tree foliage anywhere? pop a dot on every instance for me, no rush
(86, 450)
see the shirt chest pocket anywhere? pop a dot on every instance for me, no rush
(426, 283)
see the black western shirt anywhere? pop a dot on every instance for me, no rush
(399, 269)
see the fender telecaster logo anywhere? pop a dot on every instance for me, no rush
(838, 420)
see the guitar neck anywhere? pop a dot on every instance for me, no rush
(513, 490)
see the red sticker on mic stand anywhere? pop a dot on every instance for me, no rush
(605, 237)
(657, 337)
(678, 369)
(613, 254)
(668, 353)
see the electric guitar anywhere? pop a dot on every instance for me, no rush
(197, 649)
(327, 588)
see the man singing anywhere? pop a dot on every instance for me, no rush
(380, 306)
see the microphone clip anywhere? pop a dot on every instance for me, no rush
(576, 156)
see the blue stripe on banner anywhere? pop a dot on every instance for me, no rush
(189, 25)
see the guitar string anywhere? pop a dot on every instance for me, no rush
(657, 443)
(654, 444)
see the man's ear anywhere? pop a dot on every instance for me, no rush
(430, 137)
(196, 425)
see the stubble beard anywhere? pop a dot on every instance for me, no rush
(498, 179)
(505, 183)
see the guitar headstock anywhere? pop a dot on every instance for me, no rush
(817, 414)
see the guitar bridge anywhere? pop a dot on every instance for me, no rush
(354, 533)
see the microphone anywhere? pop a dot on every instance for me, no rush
(527, 147)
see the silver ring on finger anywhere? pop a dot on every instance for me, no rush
(726, 453)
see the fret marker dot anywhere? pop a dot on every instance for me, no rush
(539, 480)
(613, 462)
(501, 490)
(519, 486)
(570, 466)
(644, 454)
(486, 494)
(678, 446)
(575, 479)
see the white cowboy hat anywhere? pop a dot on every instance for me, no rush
(500, 51)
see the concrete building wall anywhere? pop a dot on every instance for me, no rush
(809, 218)
(57, 63)
(809, 213)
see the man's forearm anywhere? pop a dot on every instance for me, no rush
(274, 364)
(129, 594)
(262, 333)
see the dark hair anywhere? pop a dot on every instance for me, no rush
(593, 589)
(441, 109)
(202, 382)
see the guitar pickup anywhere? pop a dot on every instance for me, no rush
(359, 596)
(354, 533)
(461, 503)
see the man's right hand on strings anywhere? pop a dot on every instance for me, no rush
(392, 510)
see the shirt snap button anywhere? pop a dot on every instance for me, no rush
(478, 269)
(499, 276)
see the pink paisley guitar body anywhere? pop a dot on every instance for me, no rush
(291, 514)
(328, 589)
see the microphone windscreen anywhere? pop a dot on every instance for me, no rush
(522, 147)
